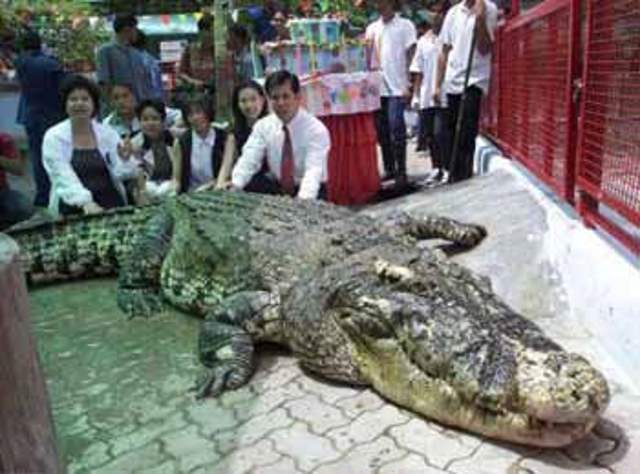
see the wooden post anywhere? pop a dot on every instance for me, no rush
(26, 430)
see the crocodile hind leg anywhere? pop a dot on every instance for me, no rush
(139, 278)
(437, 227)
(225, 342)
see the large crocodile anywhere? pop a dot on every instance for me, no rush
(356, 300)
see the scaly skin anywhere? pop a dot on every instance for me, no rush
(354, 300)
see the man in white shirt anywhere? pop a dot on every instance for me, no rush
(456, 38)
(424, 68)
(296, 144)
(393, 39)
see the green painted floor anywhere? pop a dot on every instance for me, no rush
(109, 377)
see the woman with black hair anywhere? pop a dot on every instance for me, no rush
(153, 149)
(86, 161)
(199, 151)
(249, 104)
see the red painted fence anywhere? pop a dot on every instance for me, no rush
(565, 102)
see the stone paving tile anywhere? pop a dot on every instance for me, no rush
(147, 409)
(190, 448)
(317, 414)
(166, 468)
(256, 428)
(147, 433)
(411, 464)
(284, 466)
(212, 417)
(491, 458)
(327, 391)
(625, 459)
(366, 400)
(553, 462)
(309, 449)
(135, 461)
(280, 374)
(440, 448)
(95, 455)
(365, 458)
(243, 395)
(366, 427)
(268, 401)
(622, 424)
(248, 459)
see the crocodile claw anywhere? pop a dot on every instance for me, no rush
(136, 302)
(472, 234)
(212, 382)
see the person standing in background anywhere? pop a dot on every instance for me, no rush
(40, 107)
(424, 66)
(151, 67)
(197, 63)
(462, 22)
(14, 206)
(416, 79)
(393, 38)
(118, 62)
(238, 44)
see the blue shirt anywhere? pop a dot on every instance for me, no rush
(39, 76)
(123, 64)
(154, 74)
(262, 26)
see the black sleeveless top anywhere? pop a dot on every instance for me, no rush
(92, 172)
(217, 153)
(162, 167)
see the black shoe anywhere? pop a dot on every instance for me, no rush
(401, 182)
(388, 176)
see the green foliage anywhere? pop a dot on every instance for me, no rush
(64, 26)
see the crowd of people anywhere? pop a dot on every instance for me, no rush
(141, 150)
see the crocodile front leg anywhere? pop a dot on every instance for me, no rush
(225, 343)
(139, 278)
(437, 227)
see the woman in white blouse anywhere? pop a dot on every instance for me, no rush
(86, 161)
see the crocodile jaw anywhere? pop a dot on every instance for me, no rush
(384, 364)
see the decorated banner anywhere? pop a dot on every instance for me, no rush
(303, 59)
(316, 31)
(181, 23)
(340, 94)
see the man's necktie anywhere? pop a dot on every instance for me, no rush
(287, 166)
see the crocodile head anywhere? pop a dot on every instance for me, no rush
(457, 354)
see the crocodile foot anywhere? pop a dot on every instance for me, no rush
(213, 382)
(139, 302)
(429, 227)
(227, 353)
(471, 234)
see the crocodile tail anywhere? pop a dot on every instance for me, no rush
(78, 246)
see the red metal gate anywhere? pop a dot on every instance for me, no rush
(589, 148)
(609, 150)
